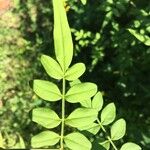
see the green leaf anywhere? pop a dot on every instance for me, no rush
(20, 144)
(45, 117)
(62, 36)
(118, 129)
(77, 141)
(83, 2)
(105, 144)
(74, 82)
(1, 141)
(75, 71)
(52, 68)
(130, 146)
(143, 38)
(97, 101)
(108, 114)
(81, 117)
(80, 92)
(46, 90)
(86, 103)
(45, 138)
(92, 128)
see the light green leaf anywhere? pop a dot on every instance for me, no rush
(97, 101)
(46, 90)
(20, 144)
(45, 117)
(143, 38)
(52, 68)
(80, 92)
(72, 83)
(108, 114)
(92, 128)
(77, 141)
(75, 71)
(86, 103)
(105, 144)
(130, 146)
(81, 117)
(62, 35)
(1, 141)
(45, 138)
(118, 129)
(83, 2)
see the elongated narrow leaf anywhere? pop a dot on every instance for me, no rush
(86, 103)
(108, 114)
(97, 101)
(81, 117)
(75, 71)
(46, 90)
(118, 129)
(45, 138)
(62, 35)
(45, 117)
(130, 146)
(143, 38)
(80, 92)
(52, 68)
(92, 128)
(77, 141)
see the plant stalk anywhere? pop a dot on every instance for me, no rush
(108, 137)
(63, 114)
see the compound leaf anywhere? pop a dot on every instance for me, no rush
(45, 138)
(46, 90)
(52, 68)
(45, 117)
(80, 92)
(81, 117)
(118, 129)
(130, 146)
(76, 141)
(108, 114)
(62, 35)
(75, 71)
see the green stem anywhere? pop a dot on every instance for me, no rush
(108, 137)
(63, 114)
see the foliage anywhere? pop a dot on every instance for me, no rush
(84, 118)
(114, 59)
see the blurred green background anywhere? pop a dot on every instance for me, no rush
(115, 60)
